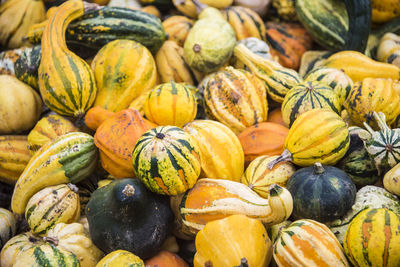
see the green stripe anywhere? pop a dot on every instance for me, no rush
(40, 257)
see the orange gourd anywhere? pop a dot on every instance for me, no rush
(165, 259)
(96, 116)
(276, 117)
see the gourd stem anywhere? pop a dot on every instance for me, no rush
(369, 129)
(73, 188)
(50, 239)
(199, 6)
(275, 190)
(88, 7)
(285, 156)
(381, 120)
(318, 168)
(243, 263)
(128, 190)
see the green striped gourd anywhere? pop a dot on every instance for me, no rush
(69, 158)
(8, 226)
(306, 96)
(52, 205)
(167, 160)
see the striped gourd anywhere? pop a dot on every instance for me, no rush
(335, 78)
(120, 258)
(236, 98)
(390, 180)
(177, 28)
(308, 243)
(245, 22)
(52, 205)
(318, 135)
(220, 150)
(373, 238)
(167, 160)
(123, 69)
(214, 199)
(47, 129)
(14, 156)
(170, 104)
(258, 177)
(306, 96)
(69, 158)
(66, 81)
(277, 79)
(8, 226)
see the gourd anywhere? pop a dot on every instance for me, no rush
(161, 4)
(170, 104)
(383, 11)
(286, 9)
(8, 226)
(14, 156)
(307, 96)
(220, 150)
(210, 42)
(123, 70)
(259, 6)
(389, 49)
(167, 160)
(265, 138)
(20, 105)
(275, 116)
(390, 180)
(177, 28)
(189, 7)
(47, 129)
(7, 60)
(120, 258)
(96, 116)
(66, 83)
(313, 241)
(52, 205)
(377, 34)
(318, 135)
(245, 241)
(125, 215)
(321, 193)
(116, 137)
(69, 158)
(258, 177)
(312, 59)
(166, 259)
(371, 238)
(236, 98)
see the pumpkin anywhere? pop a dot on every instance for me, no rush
(47, 129)
(258, 177)
(96, 116)
(308, 243)
(8, 226)
(165, 259)
(120, 258)
(66, 82)
(265, 138)
(220, 151)
(170, 104)
(372, 238)
(177, 28)
(391, 180)
(116, 138)
(236, 98)
(20, 105)
(123, 69)
(307, 96)
(167, 160)
(244, 240)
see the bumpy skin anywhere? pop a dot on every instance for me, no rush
(384, 10)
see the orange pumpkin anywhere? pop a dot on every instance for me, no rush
(165, 259)
(96, 116)
(265, 138)
(116, 137)
(276, 116)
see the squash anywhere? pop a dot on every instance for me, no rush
(170, 104)
(376, 35)
(8, 226)
(20, 105)
(52, 205)
(198, 95)
(165, 259)
(14, 156)
(210, 42)
(321, 193)
(189, 7)
(245, 22)
(244, 240)
(318, 135)
(47, 129)
(66, 82)
(125, 215)
(161, 4)
(220, 151)
(308, 243)
(286, 9)
(177, 28)
(236, 98)
(313, 59)
(256, 46)
(372, 238)
(116, 137)
(389, 49)
(259, 6)
(69, 158)
(96, 116)
(307, 96)
(275, 116)
(123, 69)
(7, 60)
(334, 78)
(258, 177)
(213, 199)
(120, 258)
(358, 66)
(391, 180)
(167, 160)
(265, 138)
(383, 11)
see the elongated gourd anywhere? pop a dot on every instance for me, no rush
(66, 81)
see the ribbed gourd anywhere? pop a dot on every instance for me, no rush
(389, 49)
(307, 96)
(8, 226)
(236, 98)
(177, 28)
(124, 69)
(120, 258)
(66, 82)
(188, 7)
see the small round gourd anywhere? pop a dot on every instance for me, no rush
(8, 226)
(120, 258)
(165, 259)
(391, 180)
(170, 104)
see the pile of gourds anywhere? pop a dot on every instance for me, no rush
(199, 133)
